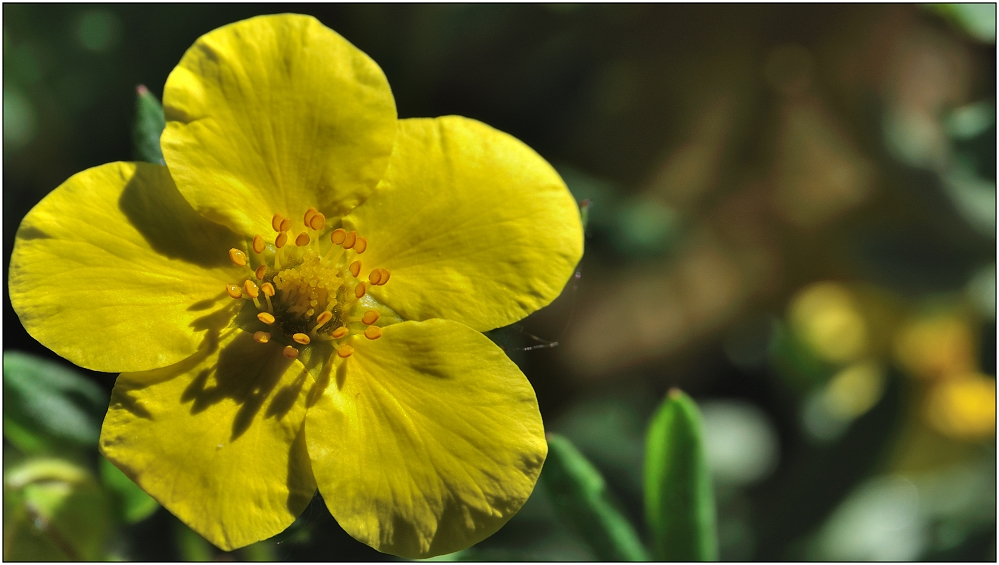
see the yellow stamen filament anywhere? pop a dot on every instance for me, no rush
(251, 288)
(237, 256)
(261, 337)
(276, 222)
(309, 213)
(323, 318)
(338, 236)
(369, 317)
(345, 351)
(290, 352)
(286, 224)
(302, 240)
(258, 244)
(359, 290)
(375, 276)
(360, 245)
(317, 222)
(234, 291)
(301, 338)
(340, 332)
(280, 240)
(372, 332)
(350, 240)
(266, 318)
(260, 272)
(355, 268)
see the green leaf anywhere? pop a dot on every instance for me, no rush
(134, 505)
(581, 498)
(43, 398)
(149, 124)
(679, 499)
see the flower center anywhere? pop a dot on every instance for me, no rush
(303, 294)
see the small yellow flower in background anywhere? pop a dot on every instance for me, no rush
(296, 299)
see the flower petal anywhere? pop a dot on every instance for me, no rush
(473, 225)
(217, 438)
(114, 271)
(427, 441)
(275, 114)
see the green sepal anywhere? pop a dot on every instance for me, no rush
(580, 496)
(679, 497)
(133, 504)
(149, 124)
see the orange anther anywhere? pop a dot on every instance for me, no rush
(338, 236)
(302, 240)
(309, 213)
(261, 337)
(355, 268)
(268, 289)
(301, 338)
(317, 222)
(340, 332)
(280, 240)
(251, 288)
(237, 256)
(261, 271)
(290, 352)
(345, 351)
(258, 244)
(360, 245)
(385, 277)
(266, 317)
(369, 317)
(276, 222)
(372, 332)
(234, 291)
(375, 276)
(359, 290)
(350, 240)
(324, 317)
(286, 224)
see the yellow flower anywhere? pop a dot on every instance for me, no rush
(296, 299)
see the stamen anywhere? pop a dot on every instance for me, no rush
(369, 317)
(260, 272)
(290, 352)
(251, 288)
(372, 332)
(384, 278)
(317, 221)
(359, 290)
(340, 332)
(280, 240)
(345, 351)
(286, 224)
(266, 318)
(302, 240)
(338, 236)
(360, 245)
(234, 291)
(237, 256)
(309, 213)
(258, 244)
(301, 338)
(276, 222)
(323, 318)
(268, 289)
(261, 337)
(350, 240)
(375, 276)
(355, 268)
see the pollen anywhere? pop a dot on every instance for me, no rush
(251, 288)
(309, 213)
(302, 240)
(290, 352)
(340, 332)
(267, 288)
(323, 318)
(280, 240)
(360, 245)
(286, 224)
(234, 291)
(261, 337)
(317, 222)
(372, 332)
(350, 240)
(276, 222)
(359, 290)
(260, 272)
(301, 338)
(338, 236)
(345, 351)
(369, 317)
(375, 276)
(237, 256)
(355, 268)
(266, 317)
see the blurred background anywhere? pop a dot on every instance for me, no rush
(791, 216)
